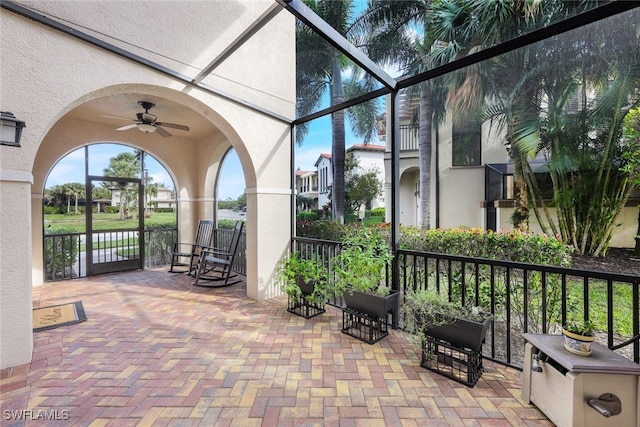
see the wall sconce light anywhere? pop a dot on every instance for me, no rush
(10, 129)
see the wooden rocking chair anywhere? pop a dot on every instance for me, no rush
(181, 251)
(214, 265)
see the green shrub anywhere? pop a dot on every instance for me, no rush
(374, 220)
(226, 224)
(378, 212)
(509, 246)
(153, 224)
(325, 230)
(51, 210)
(307, 216)
(60, 253)
(111, 209)
(350, 218)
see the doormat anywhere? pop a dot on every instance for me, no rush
(58, 315)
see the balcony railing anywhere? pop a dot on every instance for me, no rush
(65, 254)
(408, 138)
(522, 297)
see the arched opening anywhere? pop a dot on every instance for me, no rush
(191, 161)
(409, 196)
(107, 207)
(229, 191)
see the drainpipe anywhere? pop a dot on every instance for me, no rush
(395, 193)
(437, 176)
(292, 185)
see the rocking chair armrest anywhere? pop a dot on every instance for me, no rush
(207, 250)
(179, 245)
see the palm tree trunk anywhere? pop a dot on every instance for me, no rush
(424, 156)
(122, 203)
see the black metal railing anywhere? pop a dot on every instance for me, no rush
(522, 297)
(62, 256)
(158, 246)
(65, 254)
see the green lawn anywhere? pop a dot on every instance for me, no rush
(54, 223)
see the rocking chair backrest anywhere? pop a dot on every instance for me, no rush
(235, 239)
(204, 233)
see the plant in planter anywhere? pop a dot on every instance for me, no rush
(305, 281)
(578, 336)
(360, 278)
(430, 313)
(450, 336)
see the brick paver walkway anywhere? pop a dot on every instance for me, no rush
(156, 350)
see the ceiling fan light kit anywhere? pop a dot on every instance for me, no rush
(147, 122)
(146, 127)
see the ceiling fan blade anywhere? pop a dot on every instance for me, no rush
(114, 117)
(127, 127)
(173, 126)
(162, 131)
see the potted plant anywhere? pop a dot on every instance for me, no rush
(578, 336)
(450, 335)
(430, 313)
(360, 270)
(360, 273)
(305, 281)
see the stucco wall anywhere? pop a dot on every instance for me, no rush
(46, 74)
(623, 237)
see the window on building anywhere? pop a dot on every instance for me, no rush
(466, 142)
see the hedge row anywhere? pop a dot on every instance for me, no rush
(465, 241)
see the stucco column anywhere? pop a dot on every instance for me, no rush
(37, 236)
(16, 323)
(269, 213)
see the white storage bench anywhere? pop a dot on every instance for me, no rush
(560, 384)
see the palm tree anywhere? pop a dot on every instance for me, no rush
(509, 85)
(123, 165)
(76, 190)
(401, 33)
(538, 81)
(585, 146)
(150, 190)
(319, 68)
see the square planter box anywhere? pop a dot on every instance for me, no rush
(462, 333)
(374, 306)
(459, 364)
(304, 308)
(363, 327)
(365, 315)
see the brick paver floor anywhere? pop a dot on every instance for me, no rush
(156, 350)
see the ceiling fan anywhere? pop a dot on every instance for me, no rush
(147, 122)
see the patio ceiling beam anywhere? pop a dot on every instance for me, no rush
(262, 20)
(51, 23)
(337, 40)
(349, 103)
